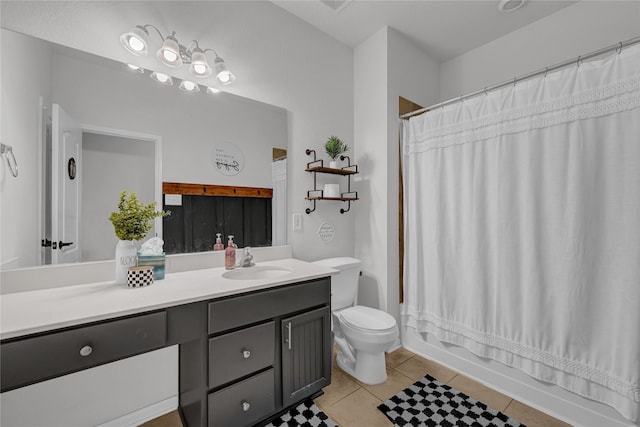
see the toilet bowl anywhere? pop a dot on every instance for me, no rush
(362, 334)
(366, 333)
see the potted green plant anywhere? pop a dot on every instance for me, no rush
(335, 147)
(131, 222)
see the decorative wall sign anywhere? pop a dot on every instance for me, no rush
(227, 159)
(326, 231)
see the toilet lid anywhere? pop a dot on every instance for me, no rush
(368, 318)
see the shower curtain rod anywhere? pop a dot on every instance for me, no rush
(616, 47)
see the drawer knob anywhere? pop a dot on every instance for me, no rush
(245, 406)
(246, 354)
(86, 350)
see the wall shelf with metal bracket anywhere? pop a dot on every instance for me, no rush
(317, 166)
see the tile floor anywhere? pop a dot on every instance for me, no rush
(353, 404)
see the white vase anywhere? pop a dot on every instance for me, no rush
(333, 164)
(126, 256)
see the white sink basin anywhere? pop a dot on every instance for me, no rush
(256, 273)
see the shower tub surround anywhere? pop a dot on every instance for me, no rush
(245, 333)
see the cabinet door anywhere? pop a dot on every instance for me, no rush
(306, 354)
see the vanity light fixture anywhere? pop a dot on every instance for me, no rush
(223, 75)
(162, 78)
(189, 86)
(173, 54)
(135, 68)
(169, 52)
(510, 5)
(185, 85)
(135, 40)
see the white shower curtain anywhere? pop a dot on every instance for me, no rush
(279, 203)
(522, 219)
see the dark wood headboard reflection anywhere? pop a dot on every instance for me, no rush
(204, 210)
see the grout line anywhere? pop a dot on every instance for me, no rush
(374, 396)
(406, 376)
(346, 395)
(505, 409)
(454, 377)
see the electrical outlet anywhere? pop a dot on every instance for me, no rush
(173, 199)
(297, 222)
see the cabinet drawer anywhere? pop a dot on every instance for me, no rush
(240, 353)
(39, 358)
(243, 403)
(233, 312)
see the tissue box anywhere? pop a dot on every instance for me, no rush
(156, 261)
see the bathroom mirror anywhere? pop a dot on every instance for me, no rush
(135, 133)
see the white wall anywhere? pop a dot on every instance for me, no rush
(104, 158)
(386, 66)
(370, 76)
(23, 83)
(577, 29)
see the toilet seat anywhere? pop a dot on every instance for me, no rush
(367, 319)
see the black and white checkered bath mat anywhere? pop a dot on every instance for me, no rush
(428, 402)
(306, 414)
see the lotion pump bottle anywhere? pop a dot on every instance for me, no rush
(230, 255)
(218, 246)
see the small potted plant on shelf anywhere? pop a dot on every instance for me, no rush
(335, 147)
(132, 222)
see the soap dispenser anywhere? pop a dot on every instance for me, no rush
(218, 246)
(230, 254)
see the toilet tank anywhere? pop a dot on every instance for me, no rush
(344, 286)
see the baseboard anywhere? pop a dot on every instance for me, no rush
(553, 400)
(144, 414)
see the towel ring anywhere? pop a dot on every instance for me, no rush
(8, 150)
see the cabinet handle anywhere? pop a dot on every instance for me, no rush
(245, 406)
(86, 350)
(246, 354)
(289, 334)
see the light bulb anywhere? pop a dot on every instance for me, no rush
(161, 78)
(224, 77)
(200, 68)
(136, 44)
(189, 86)
(135, 68)
(213, 90)
(169, 55)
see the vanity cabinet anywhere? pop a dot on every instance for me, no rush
(242, 358)
(306, 368)
(38, 358)
(257, 369)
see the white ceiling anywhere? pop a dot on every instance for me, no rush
(442, 28)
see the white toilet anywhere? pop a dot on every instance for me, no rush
(363, 334)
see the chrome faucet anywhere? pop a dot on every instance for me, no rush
(247, 259)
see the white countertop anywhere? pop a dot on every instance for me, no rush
(26, 313)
